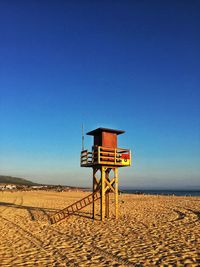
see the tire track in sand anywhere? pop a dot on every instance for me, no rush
(34, 240)
(3, 210)
(98, 251)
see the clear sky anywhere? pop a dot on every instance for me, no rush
(130, 65)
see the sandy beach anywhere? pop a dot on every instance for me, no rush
(151, 231)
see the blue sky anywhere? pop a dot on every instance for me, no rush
(130, 65)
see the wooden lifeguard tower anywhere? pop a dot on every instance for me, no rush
(105, 159)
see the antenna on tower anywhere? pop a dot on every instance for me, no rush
(82, 137)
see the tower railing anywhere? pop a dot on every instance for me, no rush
(106, 156)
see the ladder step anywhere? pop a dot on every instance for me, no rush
(70, 210)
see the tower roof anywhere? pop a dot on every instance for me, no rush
(100, 130)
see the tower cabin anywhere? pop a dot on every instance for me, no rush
(105, 150)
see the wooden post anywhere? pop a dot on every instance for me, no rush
(98, 161)
(107, 205)
(102, 193)
(107, 193)
(94, 188)
(116, 193)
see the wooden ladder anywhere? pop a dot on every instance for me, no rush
(70, 210)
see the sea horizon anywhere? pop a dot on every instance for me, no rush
(176, 192)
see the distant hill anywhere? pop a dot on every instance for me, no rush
(15, 180)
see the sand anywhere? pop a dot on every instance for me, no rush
(151, 231)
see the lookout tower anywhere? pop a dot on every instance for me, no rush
(105, 158)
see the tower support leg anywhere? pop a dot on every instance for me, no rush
(102, 193)
(107, 205)
(94, 188)
(107, 196)
(116, 193)
(105, 185)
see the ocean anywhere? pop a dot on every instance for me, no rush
(163, 192)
